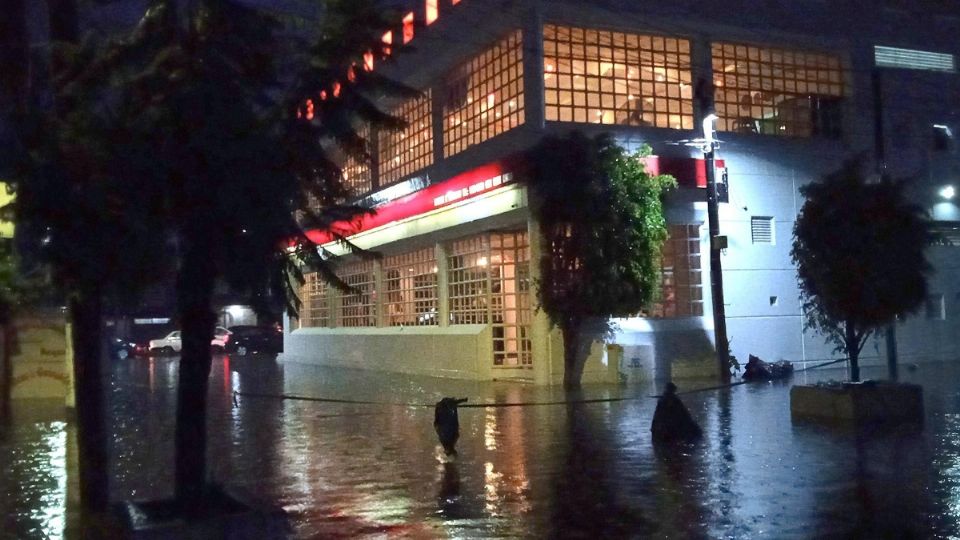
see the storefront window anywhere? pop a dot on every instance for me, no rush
(484, 97)
(358, 308)
(315, 306)
(681, 292)
(404, 152)
(410, 286)
(604, 77)
(777, 91)
(468, 266)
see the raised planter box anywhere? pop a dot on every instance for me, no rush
(223, 516)
(869, 403)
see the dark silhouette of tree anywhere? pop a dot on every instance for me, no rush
(601, 217)
(204, 141)
(859, 247)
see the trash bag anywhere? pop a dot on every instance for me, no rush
(758, 370)
(447, 423)
(671, 419)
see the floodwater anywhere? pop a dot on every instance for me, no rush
(561, 471)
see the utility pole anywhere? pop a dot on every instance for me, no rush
(880, 154)
(717, 242)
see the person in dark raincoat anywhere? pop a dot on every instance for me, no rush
(672, 421)
(447, 423)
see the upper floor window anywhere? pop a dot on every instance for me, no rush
(404, 152)
(777, 91)
(484, 97)
(605, 77)
(357, 177)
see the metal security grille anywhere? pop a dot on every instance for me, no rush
(468, 281)
(315, 310)
(604, 77)
(777, 91)
(761, 230)
(510, 299)
(681, 285)
(404, 152)
(894, 57)
(360, 308)
(410, 288)
(484, 97)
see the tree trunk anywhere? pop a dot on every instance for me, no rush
(85, 314)
(853, 350)
(573, 357)
(197, 319)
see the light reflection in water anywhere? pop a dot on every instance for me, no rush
(51, 511)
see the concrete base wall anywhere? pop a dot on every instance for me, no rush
(462, 352)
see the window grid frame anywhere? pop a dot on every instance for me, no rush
(315, 302)
(405, 302)
(468, 280)
(511, 305)
(772, 73)
(491, 81)
(357, 309)
(654, 89)
(403, 152)
(681, 275)
(357, 174)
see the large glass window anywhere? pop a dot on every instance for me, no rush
(468, 280)
(510, 299)
(410, 286)
(315, 307)
(404, 152)
(605, 77)
(681, 285)
(484, 97)
(358, 307)
(357, 176)
(777, 91)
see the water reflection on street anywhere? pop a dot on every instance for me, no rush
(587, 470)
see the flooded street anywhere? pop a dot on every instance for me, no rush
(587, 470)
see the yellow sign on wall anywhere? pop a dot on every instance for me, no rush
(39, 357)
(6, 227)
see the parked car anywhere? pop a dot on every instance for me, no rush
(249, 339)
(171, 343)
(123, 348)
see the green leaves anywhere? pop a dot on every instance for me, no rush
(602, 219)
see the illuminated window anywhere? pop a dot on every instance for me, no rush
(402, 153)
(358, 308)
(408, 27)
(681, 284)
(777, 91)
(387, 40)
(468, 280)
(357, 178)
(315, 307)
(484, 97)
(603, 77)
(510, 299)
(410, 289)
(431, 11)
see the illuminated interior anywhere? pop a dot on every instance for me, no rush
(357, 309)
(410, 288)
(484, 97)
(616, 78)
(777, 91)
(681, 282)
(402, 153)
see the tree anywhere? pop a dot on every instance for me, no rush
(203, 142)
(859, 248)
(601, 217)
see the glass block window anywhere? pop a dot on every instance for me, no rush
(777, 91)
(358, 308)
(357, 176)
(402, 153)
(681, 293)
(315, 304)
(484, 97)
(468, 280)
(510, 308)
(410, 288)
(604, 77)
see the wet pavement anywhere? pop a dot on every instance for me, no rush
(587, 471)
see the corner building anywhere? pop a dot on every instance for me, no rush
(797, 87)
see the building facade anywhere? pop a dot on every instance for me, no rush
(797, 87)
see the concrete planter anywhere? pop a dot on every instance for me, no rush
(225, 516)
(858, 404)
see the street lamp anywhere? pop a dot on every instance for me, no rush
(717, 242)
